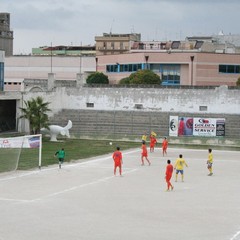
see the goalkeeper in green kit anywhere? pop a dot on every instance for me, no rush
(61, 155)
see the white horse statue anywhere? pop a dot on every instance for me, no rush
(55, 130)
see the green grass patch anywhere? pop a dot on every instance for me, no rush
(8, 159)
(76, 149)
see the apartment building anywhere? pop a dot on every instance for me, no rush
(109, 43)
(199, 61)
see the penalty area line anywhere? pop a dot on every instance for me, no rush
(234, 237)
(105, 179)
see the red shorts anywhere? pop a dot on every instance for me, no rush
(117, 164)
(168, 178)
(144, 154)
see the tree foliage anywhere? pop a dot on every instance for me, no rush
(97, 78)
(142, 77)
(238, 82)
(125, 80)
(36, 113)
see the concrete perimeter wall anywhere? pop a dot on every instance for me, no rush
(219, 100)
(116, 112)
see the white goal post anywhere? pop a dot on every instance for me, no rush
(11, 148)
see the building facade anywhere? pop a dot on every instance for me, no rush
(175, 67)
(109, 43)
(6, 35)
(197, 61)
(206, 60)
(18, 68)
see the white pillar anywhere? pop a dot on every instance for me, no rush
(51, 81)
(81, 79)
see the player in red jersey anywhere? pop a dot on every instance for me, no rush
(164, 146)
(117, 158)
(169, 171)
(153, 141)
(144, 154)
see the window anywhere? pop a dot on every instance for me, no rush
(90, 105)
(231, 69)
(175, 44)
(237, 69)
(234, 69)
(124, 67)
(170, 74)
(130, 67)
(134, 67)
(222, 68)
(141, 46)
(155, 67)
(198, 44)
(203, 108)
(121, 45)
(112, 45)
(138, 106)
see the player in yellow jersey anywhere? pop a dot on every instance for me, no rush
(179, 165)
(210, 162)
(144, 138)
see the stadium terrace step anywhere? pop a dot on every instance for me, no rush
(129, 123)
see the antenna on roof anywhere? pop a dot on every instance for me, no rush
(132, 29)
(111, 26)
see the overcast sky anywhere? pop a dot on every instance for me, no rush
(74, 22)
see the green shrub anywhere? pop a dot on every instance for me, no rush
(142, 77)
(97, 78)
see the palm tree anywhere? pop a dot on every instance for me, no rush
(36, 113)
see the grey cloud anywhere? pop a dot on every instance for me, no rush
(154, 19)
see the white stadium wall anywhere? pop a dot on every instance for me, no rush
(219, 100)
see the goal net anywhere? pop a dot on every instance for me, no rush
(22, 152)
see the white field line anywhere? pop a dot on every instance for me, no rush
(100, 180)
(81, 164)
(235, 236)
(15, 200)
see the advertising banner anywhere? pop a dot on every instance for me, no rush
(189, 126)
(220, 127)
(20, 142)
(204, 127)
(185, 126)
(173, 126)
